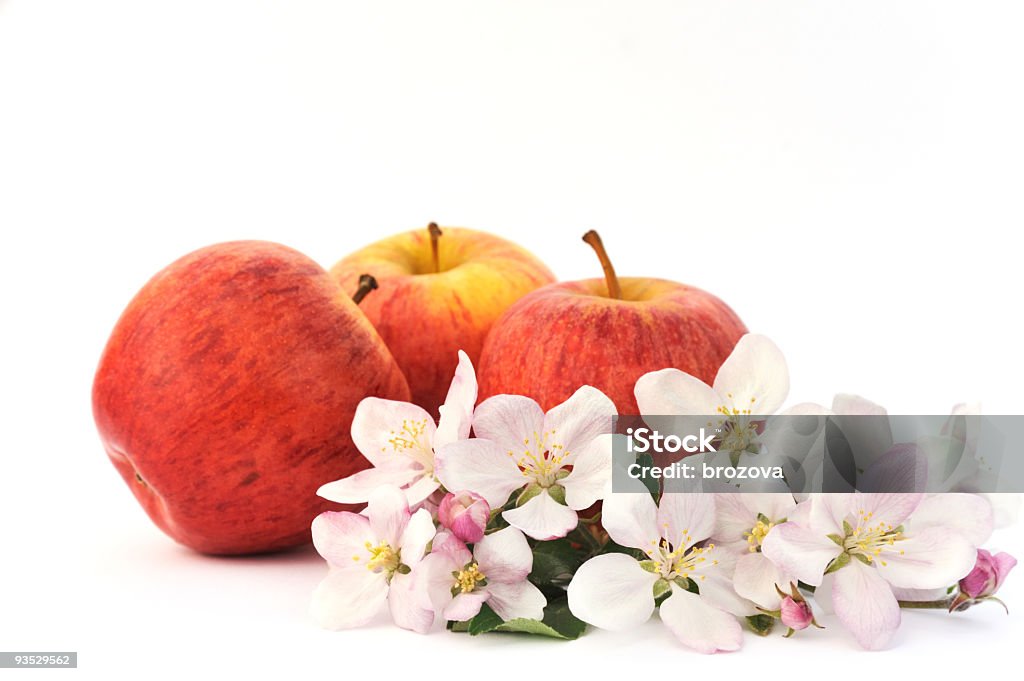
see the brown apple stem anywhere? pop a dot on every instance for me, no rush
(366, 284)
(435, 235)
(594, 239)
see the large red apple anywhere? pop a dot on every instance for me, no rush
(440, 292)
(226, 393)
(605, 333)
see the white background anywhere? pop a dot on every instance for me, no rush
(846, 175)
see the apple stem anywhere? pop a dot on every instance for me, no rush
(435, 235)
(366, 284)
(594, 240)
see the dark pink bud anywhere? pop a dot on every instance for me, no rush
(988, 574)
(795, 614)
(466, 514)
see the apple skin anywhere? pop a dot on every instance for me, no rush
(426, 317)
(226, 392)
(570, 334)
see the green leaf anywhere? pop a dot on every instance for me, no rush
(862, 558)
(486, 620)
(662, 587)
(652, 484)
(688, 584)
(837, 539)
(761, 625)
(532, 490)
(847, 528)
(558, 623)
(554, 562)
(840, 561)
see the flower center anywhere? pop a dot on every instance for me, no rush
(408, 441)
(675, 563)
(738, 431)
(468, 579)
(383, 558)
(734, 410)
(869, 539)
(755, 537)
(541, 461)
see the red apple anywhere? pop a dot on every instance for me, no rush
(605, 333)
(226, 393)
(440, 292)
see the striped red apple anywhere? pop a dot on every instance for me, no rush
(605, 333)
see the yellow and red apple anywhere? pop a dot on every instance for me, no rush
(226, 392)
(440, 290)
(605, 333)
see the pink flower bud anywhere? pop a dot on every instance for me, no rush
(988, 575)
(465, 514)
(795, 614)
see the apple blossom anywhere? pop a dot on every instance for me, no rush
(399, 440)
(466, 514)
(616, 591)
(458, 581)
(857, 548)
(984, 580)
(559, 462)
(742, 521)
(371, 558)
(753, 380)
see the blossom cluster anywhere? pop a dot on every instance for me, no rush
(500, 516)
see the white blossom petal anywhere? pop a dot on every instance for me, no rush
(799, 551)
(406, 605)
(509, 421)
(456, 414)
(504, 556)
(891, 509)
(927, 559)
(417, 534)
(865, 604)
(591, 476)
(421, 489)
(384, 430)
(512, 600)
(685, 519)
(826, 512)
(357, 488)
(348, 598)
(631, 519)
(465, 606)
(1005, 507)
(434, 579)
(542, 518)
(612, 591)
(389, 514)
(776, 506)
(339, 536)
(573, 424)
(481, 466)
(733, 517)
(755, 376)
(673, 392)
(717, 590)
(968, 514)
(756, 578)
(698, 625)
